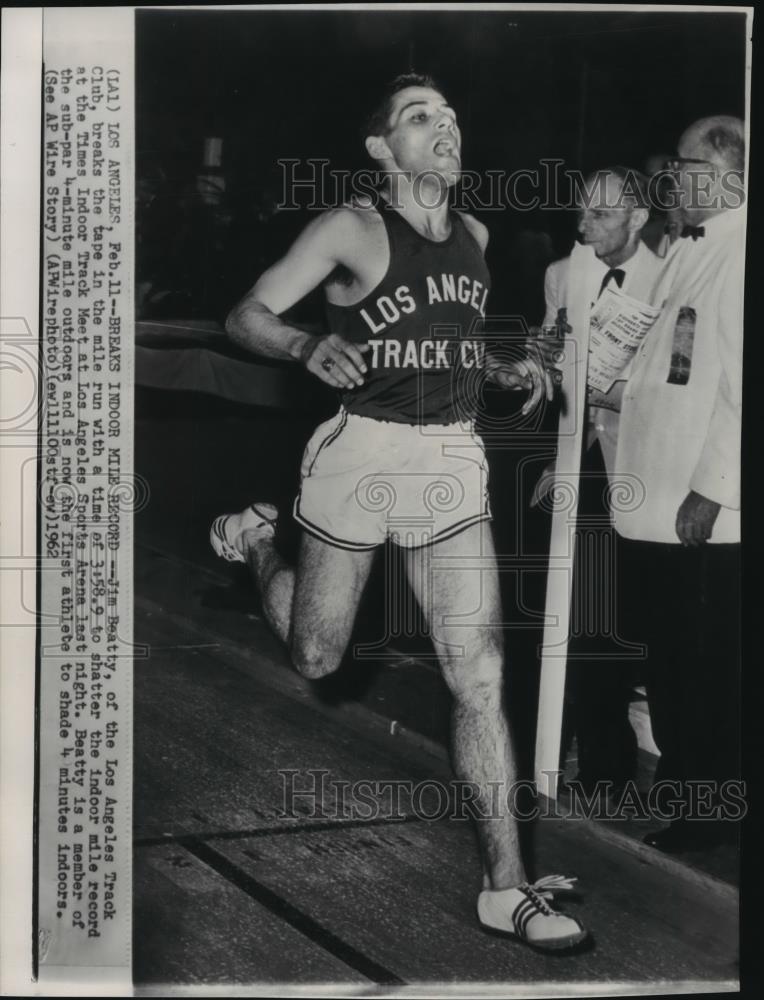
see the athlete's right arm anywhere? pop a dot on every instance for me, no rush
(255, 325)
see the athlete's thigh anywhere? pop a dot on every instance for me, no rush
(328, 590)
(456, 584)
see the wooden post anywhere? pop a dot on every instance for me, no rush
(562, 543)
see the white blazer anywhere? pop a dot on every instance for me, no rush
(681, 414)
(641, 271)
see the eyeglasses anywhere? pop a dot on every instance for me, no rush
(677, 162)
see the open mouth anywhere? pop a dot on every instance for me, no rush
(444, 147)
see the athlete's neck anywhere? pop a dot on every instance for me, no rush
(423, 205)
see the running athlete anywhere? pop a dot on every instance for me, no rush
(406, 286)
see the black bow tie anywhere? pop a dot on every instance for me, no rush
(695, 231)
(616, 274)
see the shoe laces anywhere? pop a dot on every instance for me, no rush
(542, 891)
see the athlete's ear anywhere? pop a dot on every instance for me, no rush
(377, 148)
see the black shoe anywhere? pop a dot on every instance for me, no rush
(683, 835)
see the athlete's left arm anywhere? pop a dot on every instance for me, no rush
(526, 372)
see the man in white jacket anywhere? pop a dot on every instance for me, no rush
(611, 219)
(680, 436)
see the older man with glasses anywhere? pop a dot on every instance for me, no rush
(680, 434)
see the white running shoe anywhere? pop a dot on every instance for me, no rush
(226, 530)
(524, 913)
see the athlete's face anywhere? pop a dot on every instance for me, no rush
(423, 136)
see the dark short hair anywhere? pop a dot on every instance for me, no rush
(378, 121)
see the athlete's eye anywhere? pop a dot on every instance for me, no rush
(419, 116)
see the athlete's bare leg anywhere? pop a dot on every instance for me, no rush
(312, 608)
(456, 584)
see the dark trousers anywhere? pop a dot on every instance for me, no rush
(603, 665)
(686, 609)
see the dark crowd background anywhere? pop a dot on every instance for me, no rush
(592, 89)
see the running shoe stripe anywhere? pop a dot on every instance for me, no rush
(523, 914)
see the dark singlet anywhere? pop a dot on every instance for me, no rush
(423, 323)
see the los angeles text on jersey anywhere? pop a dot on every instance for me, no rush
(425, 353)
(441, 288)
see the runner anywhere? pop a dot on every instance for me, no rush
(406, 286)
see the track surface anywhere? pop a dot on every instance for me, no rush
(230, 890)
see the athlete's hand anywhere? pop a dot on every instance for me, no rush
(526, 373)
(334, 360)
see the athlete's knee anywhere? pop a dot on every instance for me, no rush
(313, 660)
(477, 678)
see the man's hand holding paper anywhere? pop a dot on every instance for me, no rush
(618, 325)
(610, 400)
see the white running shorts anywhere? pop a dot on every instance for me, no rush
(367, 480)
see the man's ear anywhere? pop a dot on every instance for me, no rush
(638, 220)
(377, 148)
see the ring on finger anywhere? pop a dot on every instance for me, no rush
(327, 364)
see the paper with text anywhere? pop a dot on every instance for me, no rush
(618, 325)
